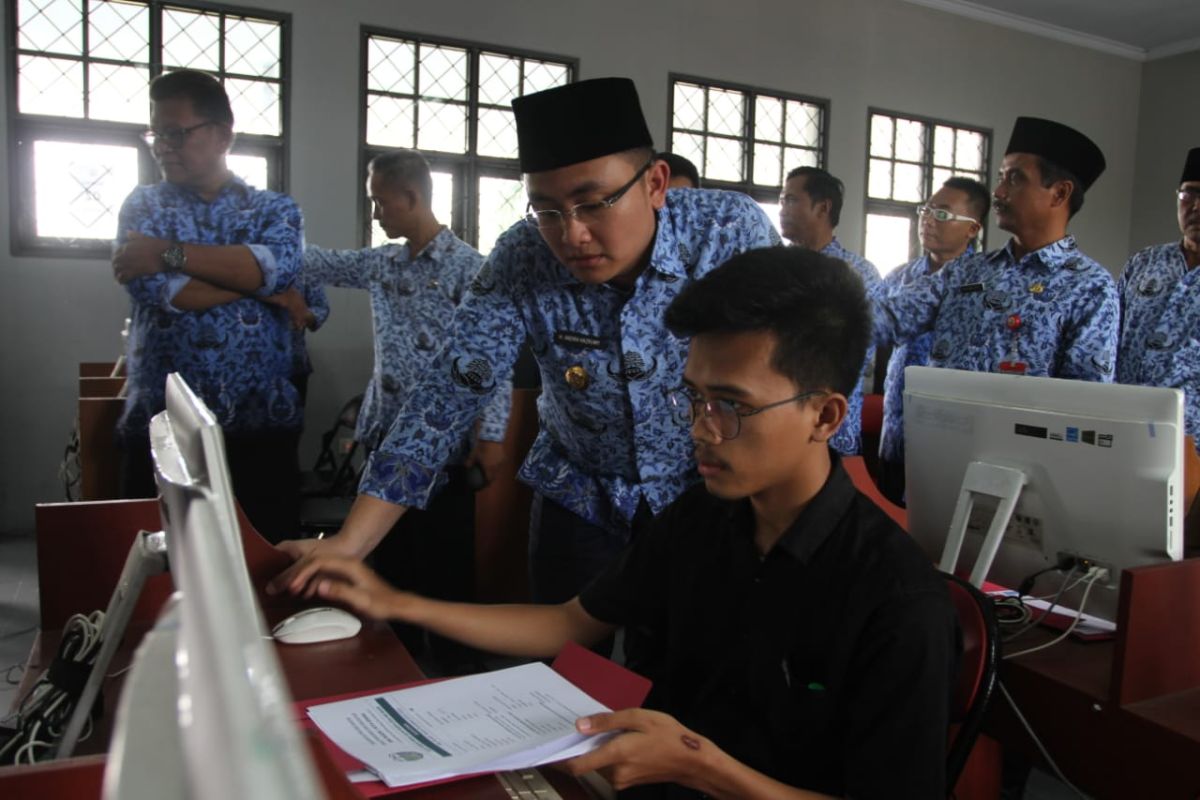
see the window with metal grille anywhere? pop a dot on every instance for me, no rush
(908, 159)
(450, 100)
(744, 138)
(79, 81)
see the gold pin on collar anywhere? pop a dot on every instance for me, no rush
(1037, 288)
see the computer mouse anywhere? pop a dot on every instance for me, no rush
(317, 625)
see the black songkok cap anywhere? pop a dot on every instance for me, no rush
(1063, 146)
(1191, 168)
(578, 122)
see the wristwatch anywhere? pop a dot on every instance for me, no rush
(173, 258)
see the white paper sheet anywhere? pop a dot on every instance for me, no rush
(508, 719)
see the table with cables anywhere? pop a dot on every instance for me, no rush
(1117, 718)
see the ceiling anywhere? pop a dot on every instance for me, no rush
(1139, 29)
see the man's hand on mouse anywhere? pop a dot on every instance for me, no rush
(347, 581)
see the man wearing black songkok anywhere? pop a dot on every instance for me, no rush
(1038, 305)
(587, 277)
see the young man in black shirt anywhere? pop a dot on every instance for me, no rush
(800, 643)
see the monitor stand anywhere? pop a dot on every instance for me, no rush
(982, 479)
(147, 557)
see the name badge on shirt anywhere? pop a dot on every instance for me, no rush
(970, 288)
(577, 341)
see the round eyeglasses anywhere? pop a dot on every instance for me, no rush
(722, 417)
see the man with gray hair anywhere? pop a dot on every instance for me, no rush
(415, 288)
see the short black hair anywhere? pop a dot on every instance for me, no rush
(979, 199)
(404, 169)
(815, 306)
(208, 96)
(1052, 173)
(820, 186)
(681, 167)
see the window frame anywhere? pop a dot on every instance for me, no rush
(900, 208)
(467, 167)
(757, 191)
(25, 129)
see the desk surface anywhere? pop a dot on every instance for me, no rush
(1145, 749)
(98, 535)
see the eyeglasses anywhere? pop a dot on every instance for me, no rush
(1189, 195)
(584, 213)
(172, 137)
(942, 215)
(723, 417)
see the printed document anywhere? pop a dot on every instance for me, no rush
(508, 719)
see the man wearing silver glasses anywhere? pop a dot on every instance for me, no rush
(1037, 306)
(949, 224)
(1160, 297)
(586, 277)
(199, 253)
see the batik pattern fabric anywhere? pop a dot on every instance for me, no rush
(607, 438)
(1160, 325)
(318, 304)
(1052, 313)
(848, 439)
(413, 300)
(238, 356)
(914, 353)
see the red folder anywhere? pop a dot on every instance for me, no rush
(607, 682)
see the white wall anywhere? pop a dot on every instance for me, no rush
(857, 53)
(1169, 126)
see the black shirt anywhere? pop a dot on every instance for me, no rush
(827, 664)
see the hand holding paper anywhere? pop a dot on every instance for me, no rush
(651, 747)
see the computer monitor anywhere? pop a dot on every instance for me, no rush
(206, 707)
(1092, 471)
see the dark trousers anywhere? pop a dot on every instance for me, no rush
(566, 552)
(432, 552)
(265, 473)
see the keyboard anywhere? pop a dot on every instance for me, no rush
(527, 784)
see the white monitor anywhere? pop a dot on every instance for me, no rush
(1096, 471)
(229, 721)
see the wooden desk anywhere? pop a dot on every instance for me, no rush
(81, 550)
(1121, 718)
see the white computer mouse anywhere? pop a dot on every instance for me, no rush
(317, 625)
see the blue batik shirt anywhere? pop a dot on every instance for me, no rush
(413, 298)
(848, 439)
(915, 352)
(318, 304)
(238, 356)
(607, 437)
(1160, 325)
(1064, 306)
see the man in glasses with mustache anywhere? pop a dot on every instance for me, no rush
(802, 644)
(1037, 306)
(586, 277)
(1160, 296)
(949, 225)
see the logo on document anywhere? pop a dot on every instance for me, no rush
(406, 755)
